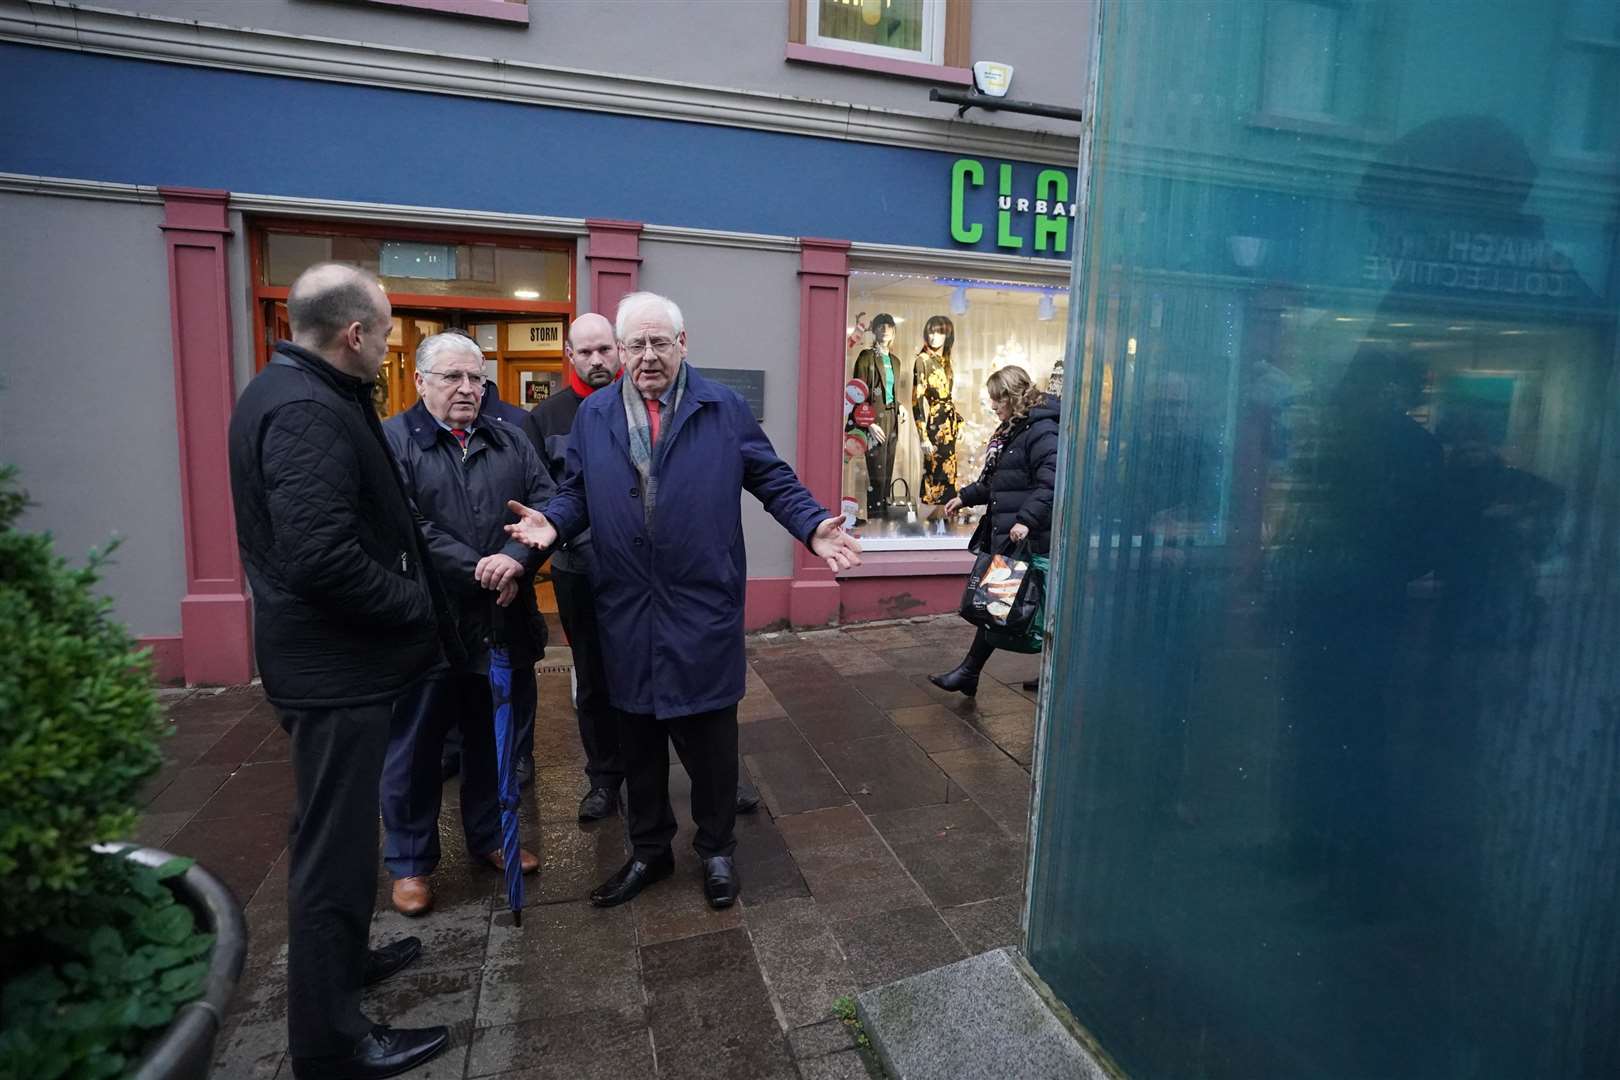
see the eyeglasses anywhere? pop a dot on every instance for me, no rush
(661, 346)
(452, 379)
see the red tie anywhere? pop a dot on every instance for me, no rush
(461, 437)
(653, 406)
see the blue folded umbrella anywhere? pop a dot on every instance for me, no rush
(500, 693)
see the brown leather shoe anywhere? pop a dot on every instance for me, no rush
(413, 896)
(530, 861)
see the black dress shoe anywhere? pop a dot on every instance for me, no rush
(525, 772)
(600, 803)
(962, 679)
(385, 1052)
(720, 882)
(632, 877)
(747, 799)
(388, 960)
(1032, 685)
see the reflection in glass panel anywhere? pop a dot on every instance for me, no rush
(1330, 771)
(935, 398)
(893, 24)
(427, 269)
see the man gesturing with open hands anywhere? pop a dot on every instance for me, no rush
(656, 471)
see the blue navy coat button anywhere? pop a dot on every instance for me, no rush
(634, 492)
(637, 541)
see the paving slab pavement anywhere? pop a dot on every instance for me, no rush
(890, 841)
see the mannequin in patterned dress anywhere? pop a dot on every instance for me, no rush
(933, 406)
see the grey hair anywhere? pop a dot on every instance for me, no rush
(427, 353)
(640, 301)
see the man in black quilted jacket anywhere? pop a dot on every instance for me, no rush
(344, 621)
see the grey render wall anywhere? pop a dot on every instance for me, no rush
(87, 406)
(732, 43)
(742, 311)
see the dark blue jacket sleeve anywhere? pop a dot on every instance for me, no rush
(568, 510)
(772, 481)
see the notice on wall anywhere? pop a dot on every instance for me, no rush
(545, 338)
(748, 382)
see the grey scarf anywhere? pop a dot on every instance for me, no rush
(642, 452)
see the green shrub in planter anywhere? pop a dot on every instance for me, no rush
(79, 727)
(112, 975)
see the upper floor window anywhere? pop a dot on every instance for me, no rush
(1588, 82)
(1321, 61)
(898, 29)
(918, 39)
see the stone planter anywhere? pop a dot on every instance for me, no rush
(185, 1049)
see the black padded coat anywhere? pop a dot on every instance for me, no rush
(1019, 489)
(345, 608)
(462, 502)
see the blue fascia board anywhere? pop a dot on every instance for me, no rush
(94, 117)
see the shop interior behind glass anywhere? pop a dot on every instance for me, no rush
(995, 324)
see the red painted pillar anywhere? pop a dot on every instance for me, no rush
(615, 258)
(215, 614)
(823, 311)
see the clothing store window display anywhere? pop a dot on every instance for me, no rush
(933, 407)
(1017, 485)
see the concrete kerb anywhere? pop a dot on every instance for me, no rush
(988, 1017)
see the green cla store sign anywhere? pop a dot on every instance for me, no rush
(1047, 201)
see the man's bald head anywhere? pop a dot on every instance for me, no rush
(341, 312)
(327, 298)
(593, 350)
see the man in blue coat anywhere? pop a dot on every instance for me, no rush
(656, 472)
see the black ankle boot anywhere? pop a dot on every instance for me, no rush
(963, 678)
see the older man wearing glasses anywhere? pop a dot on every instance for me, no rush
(656, 471)
(460, 464)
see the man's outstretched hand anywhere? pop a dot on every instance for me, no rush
(832, 543)
(531, 527)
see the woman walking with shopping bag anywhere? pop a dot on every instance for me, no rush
(1020, 470)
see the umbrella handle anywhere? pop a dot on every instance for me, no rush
(497, 622)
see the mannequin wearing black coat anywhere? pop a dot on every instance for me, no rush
(1017, 486)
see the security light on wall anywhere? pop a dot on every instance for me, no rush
(992, 79)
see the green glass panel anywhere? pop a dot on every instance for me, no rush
(1329, 780)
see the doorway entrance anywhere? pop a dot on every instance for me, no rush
(513, 295)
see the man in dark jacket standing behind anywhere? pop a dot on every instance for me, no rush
(344, 621)
(656, 472)
(593, 358)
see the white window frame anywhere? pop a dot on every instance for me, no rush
(933, 35)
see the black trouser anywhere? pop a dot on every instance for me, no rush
(337, 759)
(707, 746)
(880, 461)
(598, 722)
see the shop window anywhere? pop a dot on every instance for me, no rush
(513, 295)
(897, 496)
(925, 38)
(428, 269)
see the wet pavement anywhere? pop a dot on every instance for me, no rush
(890, 841)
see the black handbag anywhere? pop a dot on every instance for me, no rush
(1005, 591)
